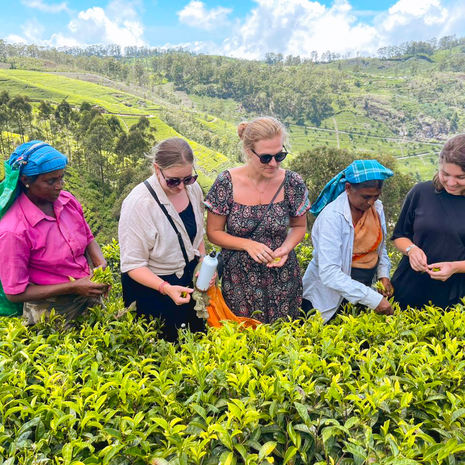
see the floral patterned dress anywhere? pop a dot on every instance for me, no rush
(250, 288)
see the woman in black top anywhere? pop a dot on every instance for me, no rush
(430, 233)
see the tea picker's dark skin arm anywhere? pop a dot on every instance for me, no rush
(95, 253)
(388, 289)
(83, 286)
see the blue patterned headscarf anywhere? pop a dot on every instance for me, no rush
(358, 171)
(31, 159)
(37, 157)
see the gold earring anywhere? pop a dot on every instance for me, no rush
(27, 185)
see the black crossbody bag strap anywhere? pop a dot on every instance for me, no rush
(221, 262)
(268, 207)
(163, 209)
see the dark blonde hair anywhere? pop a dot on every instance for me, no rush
(172, 152)
(262, 128)
(452, 152)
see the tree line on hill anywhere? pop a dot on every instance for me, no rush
(426, 47)
(291, 88)
(412, 47)
(298, 94)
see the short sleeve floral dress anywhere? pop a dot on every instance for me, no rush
(248, 286)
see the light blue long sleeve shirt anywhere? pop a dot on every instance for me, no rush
(327, 280)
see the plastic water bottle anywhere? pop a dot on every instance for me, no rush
(207, 270)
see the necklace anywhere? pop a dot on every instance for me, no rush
(260, 192)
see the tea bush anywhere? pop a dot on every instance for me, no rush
(365, 389)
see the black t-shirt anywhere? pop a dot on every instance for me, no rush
(435, 222)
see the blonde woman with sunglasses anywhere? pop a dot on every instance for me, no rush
(161, 239)
(256, 213)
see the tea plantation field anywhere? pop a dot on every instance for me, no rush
(209, 124)
(53, 88)
(363, 390)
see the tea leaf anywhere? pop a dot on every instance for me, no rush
(289, 454)
(266, 450)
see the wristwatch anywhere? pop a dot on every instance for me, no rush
(409, 248)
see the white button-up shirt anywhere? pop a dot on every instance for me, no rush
(146, 237)
(327, 279)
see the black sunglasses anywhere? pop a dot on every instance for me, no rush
(174, 182)
(266, 157)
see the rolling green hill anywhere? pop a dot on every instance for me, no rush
(54, 87)
(405, 104)
(38, 86)
(88, 121)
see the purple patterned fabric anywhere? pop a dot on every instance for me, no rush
(248, 286)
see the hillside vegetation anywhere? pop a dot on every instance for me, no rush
(404, 103)
(104, 131)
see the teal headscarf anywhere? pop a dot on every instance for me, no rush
(37, 157)
(358, 171)
(31, 159)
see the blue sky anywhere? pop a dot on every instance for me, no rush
(243, 28)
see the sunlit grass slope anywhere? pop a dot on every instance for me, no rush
(54, 88)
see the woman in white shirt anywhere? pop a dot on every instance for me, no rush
(349, 242)
(161, 239)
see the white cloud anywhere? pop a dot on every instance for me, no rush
(420, 20)
(94, 26)
(456, 20)
(123, 9)
(59, 40)
(118, 23)
(195, 46)
(297, 27)
(32, 33)
(195, 14)
(16, 39)
(289, 27)
(32, 29)
(416, 12)
(46, 7)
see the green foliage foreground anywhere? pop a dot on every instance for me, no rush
(365, 389)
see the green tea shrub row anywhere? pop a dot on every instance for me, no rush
(364, 390)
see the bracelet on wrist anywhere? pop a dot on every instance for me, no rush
(409, 248)
(161, 287)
